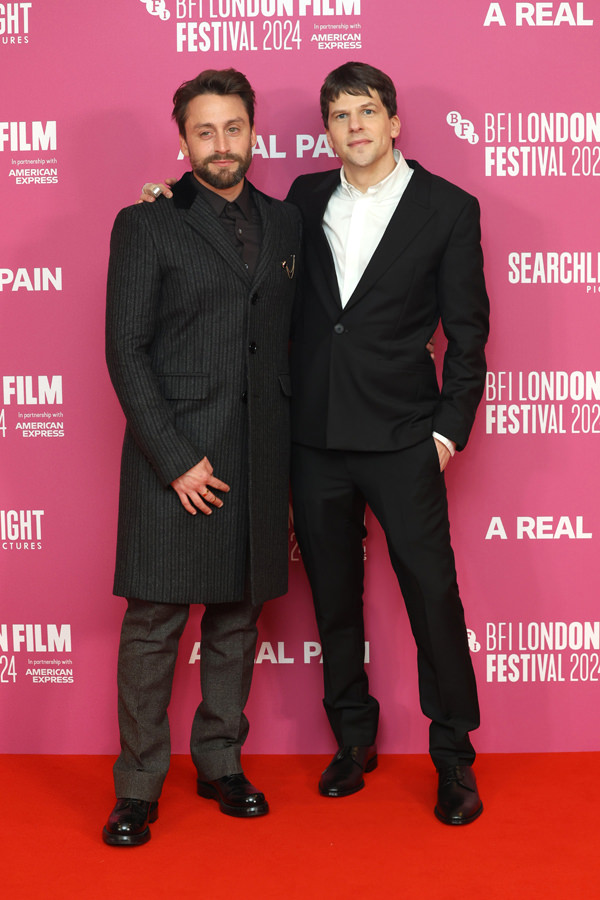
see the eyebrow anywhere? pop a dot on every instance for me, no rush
(212, 125)
(365, 105)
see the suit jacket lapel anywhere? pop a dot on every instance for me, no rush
(324, 256)
(410, 216)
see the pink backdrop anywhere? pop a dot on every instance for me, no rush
(500, 98)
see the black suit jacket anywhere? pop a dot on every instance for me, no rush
(197, 352)
(362, 378)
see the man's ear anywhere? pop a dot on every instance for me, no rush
(183, 144)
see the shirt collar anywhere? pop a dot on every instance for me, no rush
(384, 187)
(218, 203)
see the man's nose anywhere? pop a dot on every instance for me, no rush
(222, 144)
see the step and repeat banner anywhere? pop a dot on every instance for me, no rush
(500, 98)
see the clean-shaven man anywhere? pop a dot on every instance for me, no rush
(389, 250)
(199, 301)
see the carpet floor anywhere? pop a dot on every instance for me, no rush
(538, 837)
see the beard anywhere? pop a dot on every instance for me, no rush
(226, 178)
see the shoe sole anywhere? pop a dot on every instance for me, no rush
(239, 812)
(458, 820)
(126, 840)
(371, 764)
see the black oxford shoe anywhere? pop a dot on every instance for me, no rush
(127, 824)
(458, 800)
(344, 774)
(235, 796)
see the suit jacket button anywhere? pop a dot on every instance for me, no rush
(339, 329)
(244, 397)
(252, 347)
(253, 299)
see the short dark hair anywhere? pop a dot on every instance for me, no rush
(212, 81)
(357, 78)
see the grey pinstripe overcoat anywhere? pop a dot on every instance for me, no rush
(197, 353)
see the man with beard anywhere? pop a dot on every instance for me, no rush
(390, 250)
(198, 309)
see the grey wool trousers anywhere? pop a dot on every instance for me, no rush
(147, 655)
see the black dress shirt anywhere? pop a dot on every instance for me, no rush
(240, 219)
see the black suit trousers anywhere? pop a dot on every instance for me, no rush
(407, 494)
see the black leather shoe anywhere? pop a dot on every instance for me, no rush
(127, 824)
(458, 799)
(344, 774)
(235, 796)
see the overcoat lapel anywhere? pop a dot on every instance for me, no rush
(269, 242)
(202, 219)
(199, 216)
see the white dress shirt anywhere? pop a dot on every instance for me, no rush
(354, 224)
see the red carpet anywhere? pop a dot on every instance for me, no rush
(537, 838)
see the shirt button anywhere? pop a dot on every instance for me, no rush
(339, 329)
(252, 347)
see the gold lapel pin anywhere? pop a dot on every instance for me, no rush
(284, 265)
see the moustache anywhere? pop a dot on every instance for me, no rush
(222, 157)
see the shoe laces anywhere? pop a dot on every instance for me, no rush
(237, 779)
(453, 775)
(348, 753)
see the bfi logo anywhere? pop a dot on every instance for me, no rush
(463, 128)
